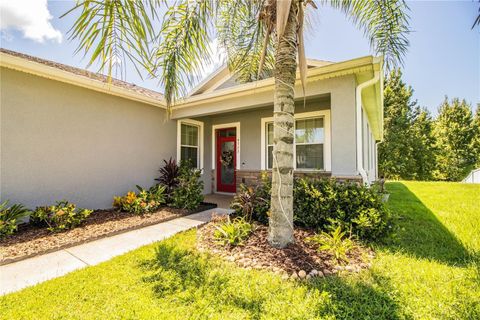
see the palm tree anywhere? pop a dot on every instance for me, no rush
(260, 37)
(477, 20)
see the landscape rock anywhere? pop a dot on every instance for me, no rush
(302, 274)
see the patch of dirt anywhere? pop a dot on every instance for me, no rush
(297, 261)
(30, 240)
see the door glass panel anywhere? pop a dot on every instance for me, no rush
(228, 132)
(227, 174)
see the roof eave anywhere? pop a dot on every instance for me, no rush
(45, 71)
(323, 72)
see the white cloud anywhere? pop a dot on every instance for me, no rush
(31, 17)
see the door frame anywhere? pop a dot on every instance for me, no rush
(215, 127)
(233, 187)
(235, 125)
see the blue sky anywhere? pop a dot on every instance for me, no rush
(443, 58)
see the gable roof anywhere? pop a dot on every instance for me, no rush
(223, 78)
(259, 93)
(65, 73)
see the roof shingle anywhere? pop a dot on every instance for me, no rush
(87, 74)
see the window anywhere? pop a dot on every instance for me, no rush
(190, 138)
(309, 139)
(311, 144)
(269, 145)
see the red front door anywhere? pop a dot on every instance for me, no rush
(226, 159)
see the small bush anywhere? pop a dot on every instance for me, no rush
(335, 243)
(253, 203)
(264, 191)
(9, 217)
(232, 233)
(245, 203)
(143, 202)
(326, 204)
(169, 176)
(61, 216)
(188, 194)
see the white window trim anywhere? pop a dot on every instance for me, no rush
(327, 145)
(215, 127)
(191, 122)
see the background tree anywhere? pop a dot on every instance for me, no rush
(476, 136)
(254, 33)
(454, 132)
(423, 145)
(395, 153)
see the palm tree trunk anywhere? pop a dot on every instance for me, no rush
(280, 232)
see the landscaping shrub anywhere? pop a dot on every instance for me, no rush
(169, 176)
(61, 216)
(253, 203)
(336, 243)
(9, 217)
(327, 204)
(234, 232)
(322, 204)
(143, 202)
(188, 194)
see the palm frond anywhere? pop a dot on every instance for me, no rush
(384, 23)
(283, 10)
(302, 59)
(113, 31)
(477, 20)
(184, 45)
(246, 38)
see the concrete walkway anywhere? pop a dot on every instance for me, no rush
(222, 200)
(25, 273)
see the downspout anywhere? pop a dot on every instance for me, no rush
(358, 101)
(377, 143)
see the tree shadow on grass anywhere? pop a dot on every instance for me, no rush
(353, 298)
(193, 278)
(208, 287)
(420, 233)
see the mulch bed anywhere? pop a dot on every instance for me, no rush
(31, 241)
(297, 261)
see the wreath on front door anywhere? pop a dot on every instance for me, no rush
(227, 158)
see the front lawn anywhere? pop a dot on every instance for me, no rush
(429, 270)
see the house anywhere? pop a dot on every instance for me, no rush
(473, 176)
(67, 133)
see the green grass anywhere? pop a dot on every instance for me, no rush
(428, 270)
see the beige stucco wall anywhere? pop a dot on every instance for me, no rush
(59, 141)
